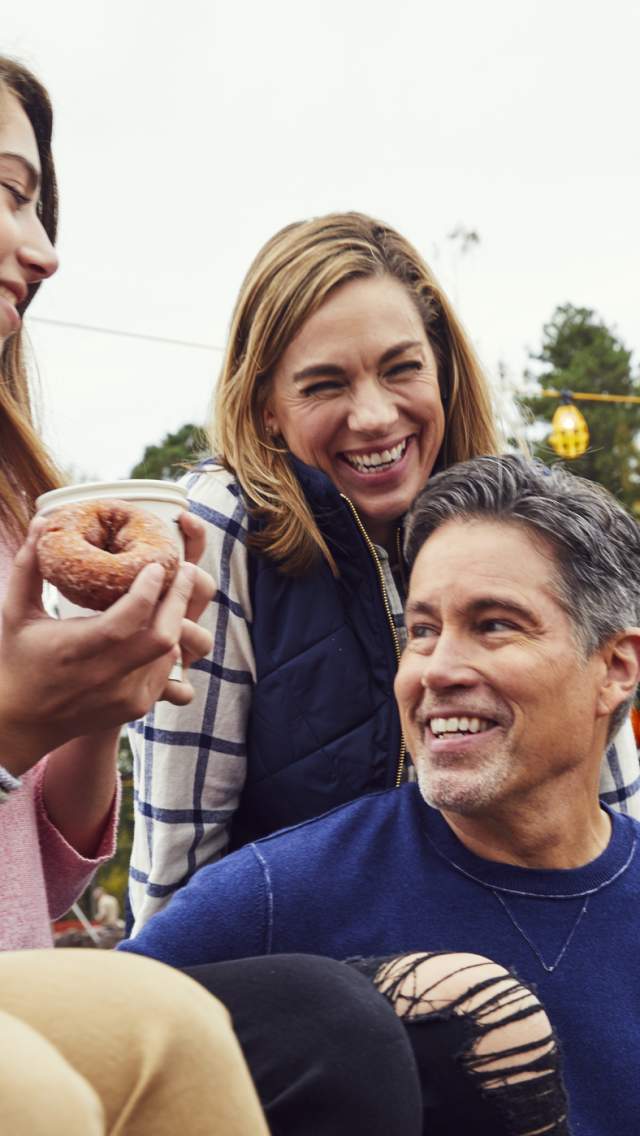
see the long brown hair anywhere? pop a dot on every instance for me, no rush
(288, 281)
(26, 468)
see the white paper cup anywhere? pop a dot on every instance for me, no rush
(163, 498)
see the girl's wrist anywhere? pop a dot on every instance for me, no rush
(21, 747)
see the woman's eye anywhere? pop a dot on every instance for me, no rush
(327, 386)
(19, 197)
(404, 370)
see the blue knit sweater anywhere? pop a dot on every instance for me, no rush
(376, 877)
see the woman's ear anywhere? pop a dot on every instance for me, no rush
(622, 659)
(270, 421)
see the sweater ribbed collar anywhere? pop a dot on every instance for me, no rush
(543, 883)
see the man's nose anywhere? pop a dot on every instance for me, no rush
(450, 663)
(373, 409)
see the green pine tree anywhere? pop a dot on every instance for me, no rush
(167, 461)
(580, 353)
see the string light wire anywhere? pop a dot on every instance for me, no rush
(125, 334)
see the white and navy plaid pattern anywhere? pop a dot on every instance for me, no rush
(190, 761)
(620, 774)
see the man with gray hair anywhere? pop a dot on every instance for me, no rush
(523, 656)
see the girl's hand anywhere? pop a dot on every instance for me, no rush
(60, 679)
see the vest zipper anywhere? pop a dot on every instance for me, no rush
(392, 628)
(401, 567)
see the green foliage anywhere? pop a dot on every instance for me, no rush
(580, 353)
(166, 461)
(113, 877)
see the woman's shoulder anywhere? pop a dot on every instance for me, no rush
(215, 494)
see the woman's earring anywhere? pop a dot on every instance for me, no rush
(272, 434)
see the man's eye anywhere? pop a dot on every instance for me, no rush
(421, 631)
(490, 625)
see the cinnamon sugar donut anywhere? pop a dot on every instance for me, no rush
(93, 550)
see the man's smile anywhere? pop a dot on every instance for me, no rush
(464, 725)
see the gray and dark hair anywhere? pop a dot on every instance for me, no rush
(595, 542)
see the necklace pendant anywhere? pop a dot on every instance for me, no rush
(549, 968)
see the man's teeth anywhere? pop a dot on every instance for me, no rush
(365, 463)
(459, 725)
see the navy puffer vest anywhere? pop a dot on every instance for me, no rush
(324, 727)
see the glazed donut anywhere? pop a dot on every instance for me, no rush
(92, 551)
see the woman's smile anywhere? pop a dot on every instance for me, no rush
(377, 461)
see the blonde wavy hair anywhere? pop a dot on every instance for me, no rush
(289, 280)
(26, 469)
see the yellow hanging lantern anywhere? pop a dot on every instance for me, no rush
(569, 431)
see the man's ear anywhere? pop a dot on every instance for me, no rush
(621, 656)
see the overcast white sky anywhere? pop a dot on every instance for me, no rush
(187, 133)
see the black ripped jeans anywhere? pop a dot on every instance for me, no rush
(417, 1045)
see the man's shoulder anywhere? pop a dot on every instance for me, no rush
(381, 809)
(622, 822)
(625, 837)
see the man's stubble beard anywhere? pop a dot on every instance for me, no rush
(462, 791)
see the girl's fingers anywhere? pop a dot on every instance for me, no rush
(195, 642)
(140, 627)
(24, 591)
(135, 611)
(179, 693)
(204, 589)
(193, 532)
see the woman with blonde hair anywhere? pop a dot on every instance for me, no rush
(347, 381)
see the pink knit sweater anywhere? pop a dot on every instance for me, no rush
(41, 875)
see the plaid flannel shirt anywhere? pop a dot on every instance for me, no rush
(190, 761)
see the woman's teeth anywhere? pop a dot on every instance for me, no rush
(376, 461)
(459, 726)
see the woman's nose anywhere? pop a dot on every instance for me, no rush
(37, 255)
(373, 410)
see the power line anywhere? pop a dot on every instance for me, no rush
(126, 334)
